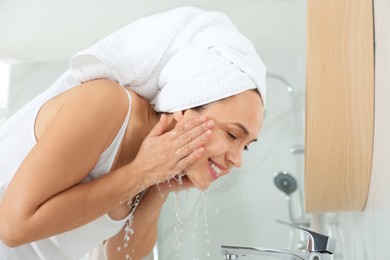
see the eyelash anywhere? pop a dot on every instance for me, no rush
(233, 137)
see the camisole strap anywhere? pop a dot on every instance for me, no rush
(107, 158)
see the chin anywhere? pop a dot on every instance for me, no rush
(198, 179)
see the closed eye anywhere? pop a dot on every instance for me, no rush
(233, 137)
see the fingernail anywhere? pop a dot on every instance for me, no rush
(210, 123)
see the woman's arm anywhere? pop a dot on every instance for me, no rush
(145, 223)
(46, 196)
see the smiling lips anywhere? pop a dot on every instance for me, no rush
(216, 170)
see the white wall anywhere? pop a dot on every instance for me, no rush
(29, 79)
(365, 235)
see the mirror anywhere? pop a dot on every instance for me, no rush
(238, 209)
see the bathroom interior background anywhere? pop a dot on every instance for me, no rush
(239, 209)
(38, 37)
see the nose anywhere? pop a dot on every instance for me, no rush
(235, 157)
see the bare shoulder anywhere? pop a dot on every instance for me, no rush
(104, 92)
(94, 102)
(96, 109)
(99, 105)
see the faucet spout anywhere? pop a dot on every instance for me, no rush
(316, 242)
(319, 247)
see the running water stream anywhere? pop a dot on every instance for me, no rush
(200, 211)
(178, 228)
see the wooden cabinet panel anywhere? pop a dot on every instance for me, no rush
(339, 104)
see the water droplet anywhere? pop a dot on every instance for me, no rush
(159, 190)
(178, 224)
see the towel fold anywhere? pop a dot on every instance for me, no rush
(177, 59)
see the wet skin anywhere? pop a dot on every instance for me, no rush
(237, 123)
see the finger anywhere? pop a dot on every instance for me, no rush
(188, 148)
(186, 125)
(193, 134)
(161, 127)
(190, 159)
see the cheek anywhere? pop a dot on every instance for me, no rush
(217, 144)
(212, 149)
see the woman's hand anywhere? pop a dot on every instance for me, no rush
(163, 154)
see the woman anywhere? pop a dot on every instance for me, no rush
(174, 95)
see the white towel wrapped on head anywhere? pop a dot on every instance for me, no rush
(177, 59)
(197, 76)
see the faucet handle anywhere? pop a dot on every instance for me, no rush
(316, 242)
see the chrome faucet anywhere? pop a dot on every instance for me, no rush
(319, 247)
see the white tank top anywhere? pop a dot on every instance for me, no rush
(73, 244)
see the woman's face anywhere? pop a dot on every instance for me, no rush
(237, 120)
